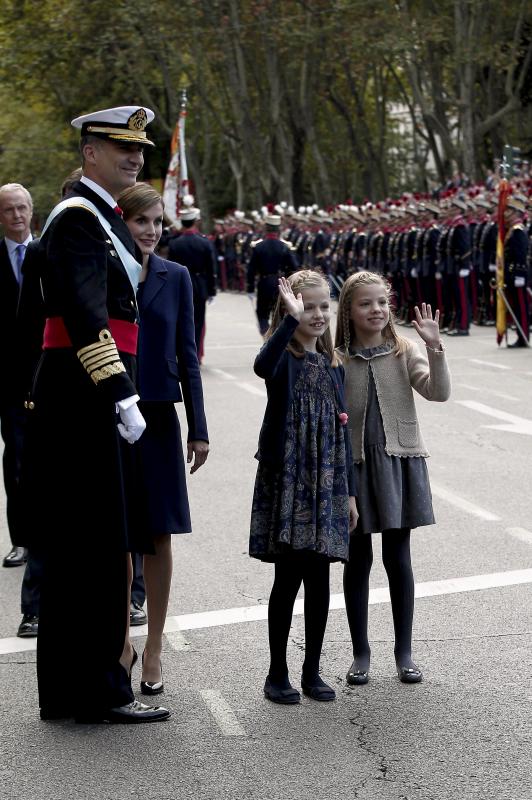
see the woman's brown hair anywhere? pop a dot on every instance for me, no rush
(136, 199)
(345, 333)
(304, 279)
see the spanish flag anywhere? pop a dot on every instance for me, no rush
(504, 191)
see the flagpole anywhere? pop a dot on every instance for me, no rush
(183, 169)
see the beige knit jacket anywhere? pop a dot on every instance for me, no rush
(395, 377)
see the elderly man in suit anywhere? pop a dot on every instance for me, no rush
(16, 209)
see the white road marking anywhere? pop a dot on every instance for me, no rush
(462, 503)
(252, 389)
(514, 424)
(487, 391)
(489, 363)
(233, 616)
(176, 640)
(520, 533)
(255, 346)
(223, 714)
(221, 373)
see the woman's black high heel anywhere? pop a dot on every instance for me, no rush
(152, 687)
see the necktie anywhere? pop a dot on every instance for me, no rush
(119, 211)
(20, 252)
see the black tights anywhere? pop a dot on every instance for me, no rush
(290, 571)
(398, 566)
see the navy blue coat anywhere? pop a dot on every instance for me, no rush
(280, 369)
(168, 368)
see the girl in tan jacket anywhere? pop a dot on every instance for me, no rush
(381, 370)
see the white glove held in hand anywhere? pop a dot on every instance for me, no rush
(132, 424)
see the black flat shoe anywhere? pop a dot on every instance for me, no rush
(318, 691)
(29, 626)
(285, 696)
(133, 713)
(409, 675)
(152, 687)
(356, 677)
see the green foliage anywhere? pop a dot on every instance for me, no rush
(303, 101)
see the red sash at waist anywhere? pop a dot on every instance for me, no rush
(124, 333)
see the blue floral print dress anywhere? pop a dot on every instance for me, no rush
(305, 504)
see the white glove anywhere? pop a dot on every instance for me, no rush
(438, 276)
(413, 272)
(492, 267)
(519, 282)
(464, 273)
(132, 424)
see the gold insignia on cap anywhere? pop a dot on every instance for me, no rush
(138, 120)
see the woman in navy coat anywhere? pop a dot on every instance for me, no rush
(168, 373)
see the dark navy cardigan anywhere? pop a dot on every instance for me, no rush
(280, 369)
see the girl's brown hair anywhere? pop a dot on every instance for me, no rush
(299, 281)
(345, 332)
(136, 199)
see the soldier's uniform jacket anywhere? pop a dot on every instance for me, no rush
(458, 247)
(197, 254)
(515, 254)
(429, 256)
(487, 246)
(271, 257)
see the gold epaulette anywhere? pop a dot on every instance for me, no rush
(101, 359)
(256, 242)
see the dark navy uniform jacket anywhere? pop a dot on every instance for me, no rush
(197, 253)
(271, 257)
(515, 254)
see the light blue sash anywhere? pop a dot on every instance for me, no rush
(130, 264)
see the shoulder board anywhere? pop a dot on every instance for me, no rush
(256, 242)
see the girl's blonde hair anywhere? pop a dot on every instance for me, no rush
(299, 281)
(345, 332)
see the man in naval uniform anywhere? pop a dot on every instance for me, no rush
(78, 467)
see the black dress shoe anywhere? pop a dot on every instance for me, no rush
(356, 677)
(409, 675)
(29, 626)
(518, 343)
(137, 615)
(318, 690)
(285, 695)
(131, 714)
(16, 557)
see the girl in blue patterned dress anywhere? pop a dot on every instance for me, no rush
(394, 496)
(304, 500)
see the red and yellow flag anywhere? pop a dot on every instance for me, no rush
(504, 191)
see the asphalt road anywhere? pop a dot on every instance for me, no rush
(464, 733)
